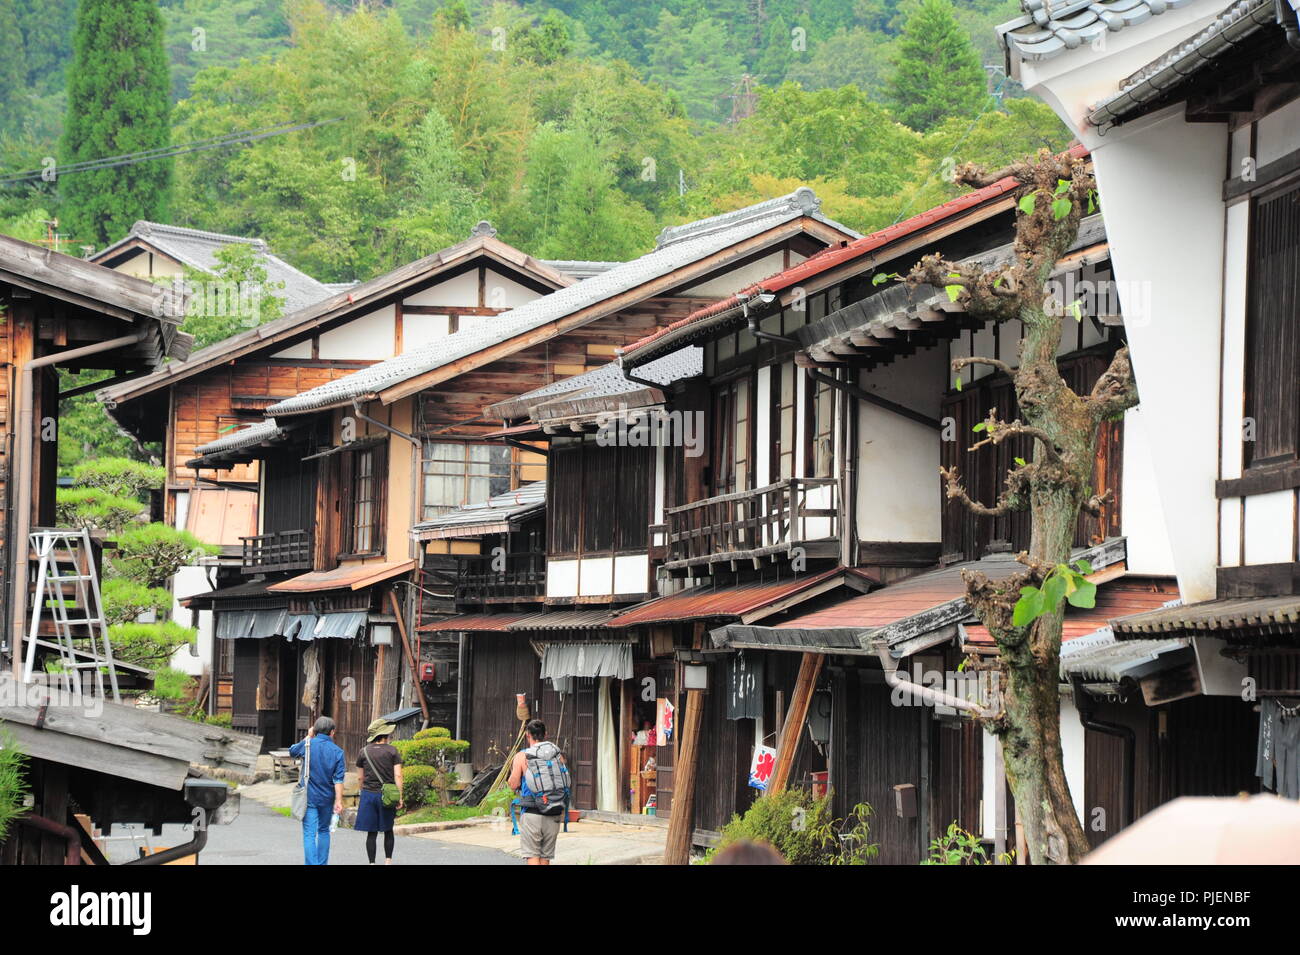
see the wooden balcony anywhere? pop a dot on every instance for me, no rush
(794, 517)
(502, 578)
(283, 550)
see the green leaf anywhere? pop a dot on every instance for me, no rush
(1085, 595)
(1029, 607)
(1053, 591)
(1061, 208)
(1062, 186)
(1027, 204)
(1092, 201)
(883, 277)
(1083, 566)
(1075, 308)
(981, 426)
(957, 383)
(953, 291)
(1020, 461)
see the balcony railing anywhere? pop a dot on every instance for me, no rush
(795, 513)
(283, 550)
(500, 578)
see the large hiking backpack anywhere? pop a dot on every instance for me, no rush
(546, 785)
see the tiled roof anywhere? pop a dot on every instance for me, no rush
(198, 249)
(1157, 79)
(1050, 27)
(248, 437)
(744, 602)
(355, 298)
(579, 268)
(678, 247)
(1214, 617)
(607, 381)
(495, 515)
(666, 338)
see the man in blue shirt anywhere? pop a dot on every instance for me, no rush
(324, 789)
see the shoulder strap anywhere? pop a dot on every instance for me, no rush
(365, 751)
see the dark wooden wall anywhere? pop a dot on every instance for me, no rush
(875, 746)
(1207, 749)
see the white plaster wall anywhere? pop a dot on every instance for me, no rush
(763, 427)
(1270, 526)
(631, 573)
(561, 578)
(898, 458)
(1151, 212)
(370, 336)
(1277, 134)
(503, 292)
(1237, 230)
(188, 582)
(300, 350)
(420, 330)
(1072, 753)
(1141, 519)
(1230, 532)
(755, 271)
(596, 576)
(460, 291)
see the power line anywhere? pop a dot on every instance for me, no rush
(166, 152)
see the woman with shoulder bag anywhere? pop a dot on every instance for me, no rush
(380, 771)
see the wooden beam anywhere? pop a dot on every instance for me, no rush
(410, 656)
(810, 668)
(681, 824)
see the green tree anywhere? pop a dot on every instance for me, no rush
(693, 60)
(118, 102)
(937, 73)
(15, 101)
(238, 298)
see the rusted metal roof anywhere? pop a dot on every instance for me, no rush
(1118, 598)
(474, 623)
(347, 577)
(746, 603)
(1216, 617)
(564, 620)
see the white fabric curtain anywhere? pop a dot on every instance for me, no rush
(607, 774)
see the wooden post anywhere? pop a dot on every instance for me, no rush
(681, 824)
(410, 657)
(809, 669)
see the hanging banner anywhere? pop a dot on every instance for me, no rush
(760, 769)
(665, 722)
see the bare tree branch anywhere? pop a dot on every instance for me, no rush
(1116, 390)
(998, 431)
(1093, 505)
(1012, 498)
(959, 363)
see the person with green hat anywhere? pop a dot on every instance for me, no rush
(380, 775)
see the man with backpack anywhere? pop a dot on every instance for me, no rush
(541, 777)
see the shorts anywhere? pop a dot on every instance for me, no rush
(537, 834)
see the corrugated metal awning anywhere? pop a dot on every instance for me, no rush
(564, 620)
(345, 626)
(1102, 657)
(301, 626)
(234, 624)
(268, 623)
(592, 659)
(347, 577)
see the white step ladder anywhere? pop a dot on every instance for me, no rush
(67, 595)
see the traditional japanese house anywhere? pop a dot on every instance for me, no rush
(203, 401)
(1191, 119)
(84, 749)
(407, 441)
(822, 373)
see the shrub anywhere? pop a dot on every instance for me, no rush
(119, 476)
(424, 785)
(959, 847)
(433, 731)
(149, 644)
(13, 782)
(171, 684)
(152, 553)
(430, 751)
(94, 508)
(124, 600)
(802, 829)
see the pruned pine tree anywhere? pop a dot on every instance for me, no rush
(1024, 612)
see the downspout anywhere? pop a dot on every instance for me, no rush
(191, 848)
(22, 478)
(1086, 706)
(929, 695)
(70, 836)
(1287, 18)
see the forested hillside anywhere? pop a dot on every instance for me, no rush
(580, 128)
